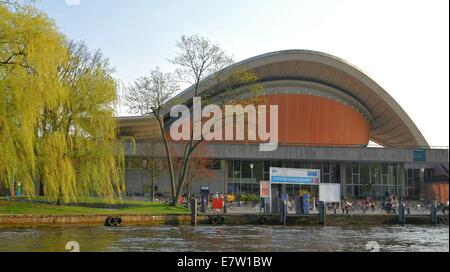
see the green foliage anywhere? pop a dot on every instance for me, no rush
(30, 51)
(57, 100)
(250, 198)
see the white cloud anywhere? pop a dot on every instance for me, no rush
(73, 2)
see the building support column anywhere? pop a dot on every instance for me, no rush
(225, 181)
(343, 178)
(401, 180)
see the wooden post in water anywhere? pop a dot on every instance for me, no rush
(280, 211)
(433, 214)
(401, 213)
(322, 213)
(193, 211)
(299, 205)
(283, 212)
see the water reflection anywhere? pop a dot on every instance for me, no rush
(226, 238)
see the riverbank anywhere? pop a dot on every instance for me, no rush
(28, 214)
(24, 220)
(39, 212)
(43, 208)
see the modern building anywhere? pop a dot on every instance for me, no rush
(330, 112)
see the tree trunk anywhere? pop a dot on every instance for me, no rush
(168, 156)
(41, 188)
(188, 196)
(59, 201)
(175, 199)
(153, 189)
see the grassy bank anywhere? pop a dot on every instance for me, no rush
(132, 207)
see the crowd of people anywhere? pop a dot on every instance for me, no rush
(389, 205)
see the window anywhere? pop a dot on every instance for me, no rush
(384, 169)
(326, 173)
(237, 166)
(133, 163)
(355, 179)
(213, 165)
(348, 174)
(429, 172)
(412, 183)
(416, 178)
(335, 173)
(364, 174)
(246, 170)
(275, 164)
(230, 169)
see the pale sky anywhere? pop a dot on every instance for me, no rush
(402, 45)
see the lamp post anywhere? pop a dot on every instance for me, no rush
(251, 182)
(421, 183)
(238, 189)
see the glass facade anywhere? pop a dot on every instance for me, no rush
(412, 183)
(374, 180)
(243, 179)
(362, 180)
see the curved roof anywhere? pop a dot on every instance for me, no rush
(390, 125)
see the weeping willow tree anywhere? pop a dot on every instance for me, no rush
(30, 49)
(85, 123)
(57, 100)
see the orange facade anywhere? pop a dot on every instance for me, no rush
(437, 191)
(313, 120)
(308, 119)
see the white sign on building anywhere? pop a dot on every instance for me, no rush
(294, 176)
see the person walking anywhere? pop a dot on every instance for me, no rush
(347, 206)
(394, 204)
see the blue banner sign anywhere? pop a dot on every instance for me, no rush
(294, 176)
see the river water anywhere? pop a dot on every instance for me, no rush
(227, 238)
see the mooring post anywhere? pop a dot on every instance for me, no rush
(193, 212)
(433, 215)
(280, 211)
(322, 213)
(298, 205)
(401, 213)
(225, 209)
(283, 212)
